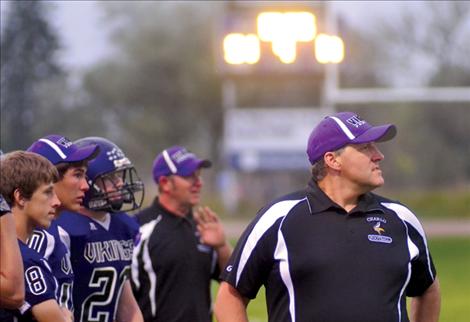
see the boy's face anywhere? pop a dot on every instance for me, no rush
(41, 208)
(111, 184)
(71, 188)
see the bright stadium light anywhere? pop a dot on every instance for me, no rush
(268, 25)
(284, 30)
(285, 49)
(329, 49)
(241, 49)
(252, 49)
(301, 24)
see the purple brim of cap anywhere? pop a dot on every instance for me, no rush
(380, 133)
(191, 166)
(56, 156)
(83, 154)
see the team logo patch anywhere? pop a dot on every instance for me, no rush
(379, 237)
(374, 219)
(117, 157)
(378, 229)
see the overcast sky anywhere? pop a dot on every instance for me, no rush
(84, 36)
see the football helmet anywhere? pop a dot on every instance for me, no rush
(114, 182)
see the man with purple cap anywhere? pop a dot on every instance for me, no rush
(179, 251)
(335, 251)
(71, 163)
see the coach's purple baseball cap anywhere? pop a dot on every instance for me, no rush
(341, 129)
(177, 160)
(58, 149)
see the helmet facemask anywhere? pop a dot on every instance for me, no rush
(119, 190)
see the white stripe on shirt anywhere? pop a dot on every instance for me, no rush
(268, 219)
(406, 215)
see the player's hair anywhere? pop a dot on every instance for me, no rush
(63, 167)
(25, 171)
(319, 169)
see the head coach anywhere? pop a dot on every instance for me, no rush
(335, 251)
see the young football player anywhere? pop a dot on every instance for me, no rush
(70, 162)
(101, 237)
(28, 186)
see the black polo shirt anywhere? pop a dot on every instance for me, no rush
(171, 269)
(322, 264)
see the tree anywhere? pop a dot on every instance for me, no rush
(28, 45)
(161, 85)
(426, 45)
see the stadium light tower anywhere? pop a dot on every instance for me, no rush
(270, 44)
(285, 54)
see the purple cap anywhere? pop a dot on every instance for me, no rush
(177, 160)
(341, 129)
(58, 149)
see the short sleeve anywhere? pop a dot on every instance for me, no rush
(40, 284)
(253, 257)
(42, 242)
(423, 271)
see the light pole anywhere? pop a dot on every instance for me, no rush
(273, 42)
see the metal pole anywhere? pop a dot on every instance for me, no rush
(331, 70)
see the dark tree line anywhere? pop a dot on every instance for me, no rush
(28, 45)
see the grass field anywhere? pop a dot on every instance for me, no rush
(452, 259)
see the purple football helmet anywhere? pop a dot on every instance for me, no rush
(114, 182)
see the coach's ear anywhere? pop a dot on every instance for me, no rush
(330, 159)
(18, 198)
(164, 183)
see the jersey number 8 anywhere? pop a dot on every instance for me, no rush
(35, 280)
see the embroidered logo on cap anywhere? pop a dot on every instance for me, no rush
(182, 155)
(355, 121)
(64, 142)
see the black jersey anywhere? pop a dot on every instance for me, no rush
(322, 264)
(171, 269)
